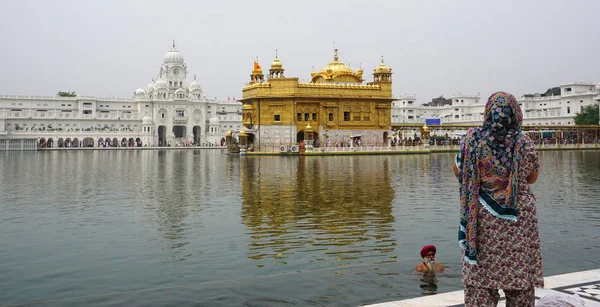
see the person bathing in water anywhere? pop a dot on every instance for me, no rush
(429, 264)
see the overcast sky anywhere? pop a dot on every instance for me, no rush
(111, 47)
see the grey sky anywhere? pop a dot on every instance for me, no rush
(109, 48)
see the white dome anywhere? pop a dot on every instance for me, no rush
(140, 91)
(160, 84)
(147, 120)
(180, 90)
(214, 121)
(195, 85)
(173, 57)
(150, 87)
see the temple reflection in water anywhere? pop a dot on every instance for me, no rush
(338, 208)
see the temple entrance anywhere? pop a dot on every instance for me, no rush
(197, 130)
(162, 136)
(300, 136)
(385, 137)
(179, 131)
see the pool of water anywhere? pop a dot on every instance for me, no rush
(202, 227)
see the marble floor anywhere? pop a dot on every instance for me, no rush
(585, 284)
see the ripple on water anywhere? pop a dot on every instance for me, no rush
(199, 227)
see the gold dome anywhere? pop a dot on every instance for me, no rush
(229, 133)
(336, 66)
(425, 128)
(243, 133)
(308, 128)
(276, 64)
(382, 67)
(335, 69)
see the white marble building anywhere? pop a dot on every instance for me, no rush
(169, 111)
(468, 109)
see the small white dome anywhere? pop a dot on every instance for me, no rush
(140, 91)
(214, 121)
(195, 85)
(160, 84)
(147, 120)
(150, 87)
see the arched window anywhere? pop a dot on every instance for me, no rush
(330, 117)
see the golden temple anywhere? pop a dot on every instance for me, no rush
(337, 103)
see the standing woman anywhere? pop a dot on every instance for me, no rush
(498, 222)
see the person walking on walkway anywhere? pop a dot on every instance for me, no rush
(498, 230)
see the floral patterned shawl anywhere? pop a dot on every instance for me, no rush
(488, 168)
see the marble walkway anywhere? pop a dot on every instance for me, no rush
(586, 284)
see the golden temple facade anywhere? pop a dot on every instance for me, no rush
(337, 104)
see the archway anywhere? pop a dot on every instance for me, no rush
(115, 142)
(179, 131)
(88, 142)
(385, 137)
(162, 135)
(197, 130)
(100, 142)
(223, 141)
(50, 143)
(300, 136)
(75, 142)
(61, 142)
(68, 142)
(108, 141)
(124, 142)
(131, 142)
(138, 142)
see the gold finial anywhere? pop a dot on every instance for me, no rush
(382, 60)
(335, 56)
(275, 53)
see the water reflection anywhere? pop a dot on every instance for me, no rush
(321, 208)
(428, 283)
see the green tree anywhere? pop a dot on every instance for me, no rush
(67, 94)
(589, 116)
(555, 91)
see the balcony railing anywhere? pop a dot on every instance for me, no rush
(66, 115)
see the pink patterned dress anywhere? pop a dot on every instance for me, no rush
(509, 254)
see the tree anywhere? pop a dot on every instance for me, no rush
(555, 91)
(67, 94)
(589, 116)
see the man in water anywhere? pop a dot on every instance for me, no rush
(429, 264)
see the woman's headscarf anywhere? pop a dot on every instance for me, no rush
(490, 147)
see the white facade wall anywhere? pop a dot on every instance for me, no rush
(469, 109)
(168, 101)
